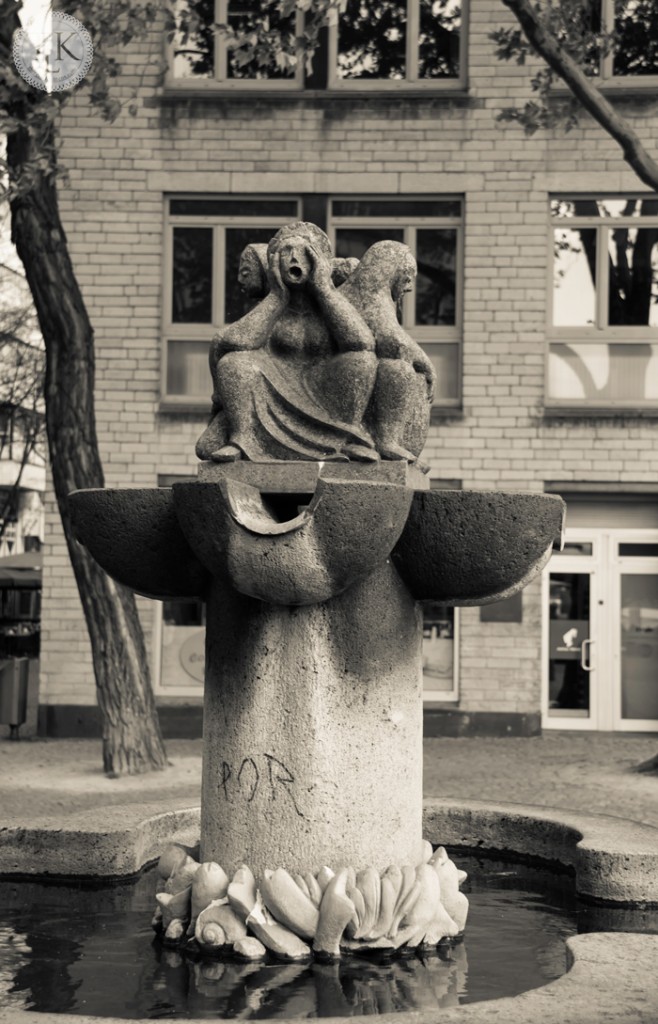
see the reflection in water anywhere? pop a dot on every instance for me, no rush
(176, 986)
(87, 949)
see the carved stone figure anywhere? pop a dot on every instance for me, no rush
(342, 268)
(295, 374)
(252, 270)
(399, 414)
(252, 280)
(315, 372)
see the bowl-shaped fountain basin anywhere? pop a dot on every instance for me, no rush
(475, 547)
(135, 536)
(345, 530)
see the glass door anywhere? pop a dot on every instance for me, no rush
(635, 634)
(601, 632)
(570, 662)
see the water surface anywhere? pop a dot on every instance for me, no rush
(89, 949)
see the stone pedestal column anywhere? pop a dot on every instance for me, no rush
(313, 730)
(311, 574)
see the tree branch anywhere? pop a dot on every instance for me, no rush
(582, 87)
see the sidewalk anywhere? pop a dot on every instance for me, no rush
(53, 780)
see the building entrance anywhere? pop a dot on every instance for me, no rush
(600, 635)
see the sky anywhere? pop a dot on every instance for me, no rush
(35, 18)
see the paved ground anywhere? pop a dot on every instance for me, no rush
(55, 779)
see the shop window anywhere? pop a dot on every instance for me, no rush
(182, 645)
(432, 228)
(205, 237)
(439, 652)
(604, 326)
(391, 44)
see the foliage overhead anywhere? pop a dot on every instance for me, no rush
(577, 27)
(268, 38)
(111, 24)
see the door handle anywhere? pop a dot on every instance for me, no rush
(585, 650)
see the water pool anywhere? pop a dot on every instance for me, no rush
(86, 948)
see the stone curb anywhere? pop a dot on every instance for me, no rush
(612, 980)
(614, 860)
(107, 843)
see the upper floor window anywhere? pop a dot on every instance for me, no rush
(388, 45)
(635, 51)
(201, 51)
(629, 48)
(382, 45)
(604, 323)
(206, 235)
(432, 228)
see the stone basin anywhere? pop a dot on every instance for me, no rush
(135, 535)
(458, 547)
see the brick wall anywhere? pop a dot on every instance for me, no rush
(113, 210)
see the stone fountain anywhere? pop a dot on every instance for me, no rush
(313, 537)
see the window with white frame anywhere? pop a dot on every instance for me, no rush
(180, 634)
(385, 45)
(603, 348)
(205, 237)
(432, 228)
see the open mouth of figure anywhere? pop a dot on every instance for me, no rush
(295, 273)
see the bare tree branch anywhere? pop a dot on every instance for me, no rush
(582, 87)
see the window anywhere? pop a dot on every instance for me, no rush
(179, 647)
(635, 52)
(386, 45)
(205, 239)
(622, 47)
(604, 328)
(207, 234)
(202, 53)
(432, 228)
(383, 45)
(439, 652)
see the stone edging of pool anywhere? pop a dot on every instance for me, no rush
(612, 977)
(614, 860)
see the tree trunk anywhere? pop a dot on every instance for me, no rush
(132, 741)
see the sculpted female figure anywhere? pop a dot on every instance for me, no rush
(252, 280)
(400, 407)
(295, 374)
(252, 270)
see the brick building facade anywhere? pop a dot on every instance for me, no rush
(542, 385)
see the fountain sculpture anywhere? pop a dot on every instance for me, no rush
(313, 537)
